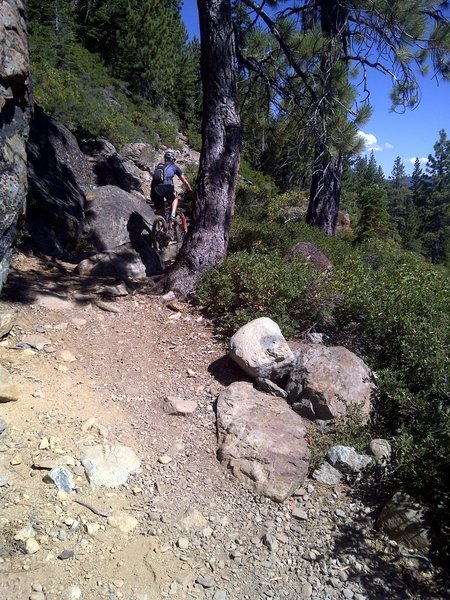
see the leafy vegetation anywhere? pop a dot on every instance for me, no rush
(388, 305)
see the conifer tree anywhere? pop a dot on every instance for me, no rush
(375, 220)
(436, 224)
(322, 39)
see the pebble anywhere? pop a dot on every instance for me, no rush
(300, 514)
(205, 582)
(32, 546)
(165, 459)
(37, 596)
(306, 590)
(183, 543)
(72, 593)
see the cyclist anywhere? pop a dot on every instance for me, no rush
(165, 189)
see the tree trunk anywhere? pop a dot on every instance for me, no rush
(325, 189)
(207, 239)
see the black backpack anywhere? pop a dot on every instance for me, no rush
(159, 173)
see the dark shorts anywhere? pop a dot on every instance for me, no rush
(160, 192)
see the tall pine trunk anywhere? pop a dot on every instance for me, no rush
(327, 172)
(325, 188)
(207, 239)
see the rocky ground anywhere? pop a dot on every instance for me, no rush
(98, 371)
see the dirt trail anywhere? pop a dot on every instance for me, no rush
(197, 533)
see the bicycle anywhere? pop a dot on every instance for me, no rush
(166, 231)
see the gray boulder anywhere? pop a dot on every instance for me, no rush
(122, 262)
(403, 520)
(60, 177)
(312, 254)
(15, 112)
(260, 349)
(262, 441)
(330, 382)
(111, 215)
(346, 460)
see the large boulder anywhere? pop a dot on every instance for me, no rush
(122, 262)
(111, 214)
(111, 168)
(260, 349)
(262, 441)
(15, 111)
(330, 382)
(312, 254)
(60, 177)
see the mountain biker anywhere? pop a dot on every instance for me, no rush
(166, 189)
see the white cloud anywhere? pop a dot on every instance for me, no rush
(371, 142)
(422, 159)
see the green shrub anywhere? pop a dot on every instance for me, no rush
(246, 286)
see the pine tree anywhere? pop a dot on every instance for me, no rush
(436, 225)
(399, 198)
(321, 40)
(375, 220)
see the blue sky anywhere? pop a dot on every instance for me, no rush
(407, 135)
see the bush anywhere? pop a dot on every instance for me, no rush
(246, 286)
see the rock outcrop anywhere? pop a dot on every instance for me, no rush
(60, 177)
(15, 111)
(261, 441)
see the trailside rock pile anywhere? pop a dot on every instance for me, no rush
(262, 437)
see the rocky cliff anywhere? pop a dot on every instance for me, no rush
(15, 109)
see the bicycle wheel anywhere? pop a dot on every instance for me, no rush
(159, 233)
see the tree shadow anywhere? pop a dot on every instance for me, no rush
(393, 572)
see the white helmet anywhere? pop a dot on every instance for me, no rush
(170, 156)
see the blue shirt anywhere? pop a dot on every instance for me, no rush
(169, 173)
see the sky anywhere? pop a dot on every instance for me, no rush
(408, 135)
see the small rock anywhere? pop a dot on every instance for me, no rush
(66, 554)
(3, 481)
(122, 521)
(26, 533)
(300, 514)
(37, 596)
(35, 341)
(205, 582)
(380, 448)
(340, 513)
(183, 543)
(16, 460)
(62, 478)
(347, 460)
(109, 466)
(176, 406)
(66, 356)
(32, 546)
(165, 459)
(220, 595)
(72, 593)
(92, 528)
(327, 474)
(7, 320)
(306, 590)
(3, 426)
